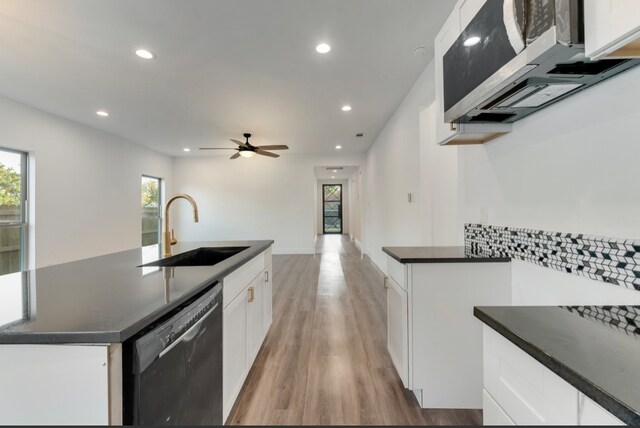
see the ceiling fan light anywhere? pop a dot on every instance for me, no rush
(247, 153)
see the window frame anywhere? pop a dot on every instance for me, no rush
(23, 223)
(160, 181)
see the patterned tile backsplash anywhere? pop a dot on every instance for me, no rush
(622, 318)
(614, 261)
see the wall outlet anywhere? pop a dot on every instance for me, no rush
(411, 197)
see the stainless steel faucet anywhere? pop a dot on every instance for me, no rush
(169, 238)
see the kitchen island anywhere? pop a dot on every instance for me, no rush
(63, 326)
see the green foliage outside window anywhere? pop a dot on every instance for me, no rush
(10, 187)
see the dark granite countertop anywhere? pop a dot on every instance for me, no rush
(105, 299)
(410, 255)
(594, 348)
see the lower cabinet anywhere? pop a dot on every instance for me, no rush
(492, 413)
(398, 328)
(235, 349)
(518, 390)
(255, 298)
(268, 298)
(433, 338)
(246, 320)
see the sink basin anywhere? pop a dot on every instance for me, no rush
(204, 256)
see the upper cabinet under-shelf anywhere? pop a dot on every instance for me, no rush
(612, 28)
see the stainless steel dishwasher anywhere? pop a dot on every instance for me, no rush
(175, 367)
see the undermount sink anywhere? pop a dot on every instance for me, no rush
(204, 256)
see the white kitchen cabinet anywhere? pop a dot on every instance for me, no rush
(397, 328)
(528, 392)
(492, 413)
(244, 323)
(268, 298)
(459, 133)
(519, 390)
(235, 348)
(590, 413)
(434, 340)
(612, 28)
(60, 385)
(445, 38)
(256, 316)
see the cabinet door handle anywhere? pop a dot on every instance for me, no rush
(386, 282)
(251, 295)
(266, 276)
(453, 126)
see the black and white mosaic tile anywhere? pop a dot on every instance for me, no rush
(622, 318)
(614, 261)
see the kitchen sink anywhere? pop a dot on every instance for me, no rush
(204, 256)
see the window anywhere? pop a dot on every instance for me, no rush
(13, 212)
(151, 206)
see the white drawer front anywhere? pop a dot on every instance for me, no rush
(492, 413)
(239, 279)
(527, 391)
(397, 271)
(592, 414)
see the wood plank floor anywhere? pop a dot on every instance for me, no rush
(325, 359)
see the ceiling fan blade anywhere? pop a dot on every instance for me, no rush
(235, 156)
(218, 148)
(263, 153)
(277, 147)
(240, 143)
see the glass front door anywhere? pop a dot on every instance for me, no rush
(332, 208)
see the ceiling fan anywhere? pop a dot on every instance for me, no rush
(247, 150)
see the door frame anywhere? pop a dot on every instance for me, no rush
(324, 232)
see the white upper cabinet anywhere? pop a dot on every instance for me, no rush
(447, 36)
(612, 28)
(459, 133)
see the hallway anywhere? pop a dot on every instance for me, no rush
(325, 358)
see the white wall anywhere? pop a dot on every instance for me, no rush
(392, 171)
(439, 186)
(257, 198)
(572, 167)
(356, 207)
(86, 186)
(403, 159)
(346, 205)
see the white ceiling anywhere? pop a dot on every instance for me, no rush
(223, 67)
(341, 172)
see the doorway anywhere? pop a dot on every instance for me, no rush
(332, 209)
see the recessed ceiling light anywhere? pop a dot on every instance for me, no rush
(186, 149)
(323, 48)
(346, 108)
(144, 54)
(472, 41)
(338, 147)
(102, 113)
(335, 170)
(333, 176)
